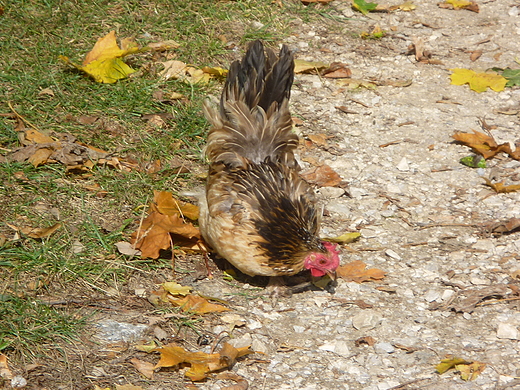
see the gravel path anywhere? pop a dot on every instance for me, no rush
(421, 213)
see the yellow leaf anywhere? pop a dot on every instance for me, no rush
(301, 66)
(217, 72)
(470, 372)
(356, 272)
(346, 238)
(104, 62)
(176, 289)
(458, 3)
(478, 82)
(197, 305)
(446, 364)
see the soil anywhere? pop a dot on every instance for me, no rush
(425, 219)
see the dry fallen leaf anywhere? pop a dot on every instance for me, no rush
(470, 372)
(201, 364)
(356, 272)
(196, 304)
(485, 145)
(500, 188)
(176, 289)
(301, 66)
(164, 227)
(346, 238)
(448, 363)
(145, 368)
(5, 372)
(36, 232)
(105, 61)
(478, 82)
(323, 176)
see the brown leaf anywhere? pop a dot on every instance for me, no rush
(475, 55)
(37, 232)
(501, 188)
(201, 364)
(367, 340)
(356, 272)
(5, 372)
(164, 203)
(337, 70)
(241, 383)
(195, 304)
(508, 226)
(318, 139)
(145, 368)
(323, 176)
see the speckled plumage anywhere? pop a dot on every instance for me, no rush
(258, 213)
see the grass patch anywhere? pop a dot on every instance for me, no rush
(29, 325)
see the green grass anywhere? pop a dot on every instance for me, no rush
(31, 326)
(34, 34)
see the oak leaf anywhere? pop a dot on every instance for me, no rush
(478, 82)
(356, 272)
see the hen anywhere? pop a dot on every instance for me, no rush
(257, 212)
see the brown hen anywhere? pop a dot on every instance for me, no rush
(257, 212)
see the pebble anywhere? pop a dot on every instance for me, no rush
(366, 320)
(384, 347)
(507, 331)
(393, 254)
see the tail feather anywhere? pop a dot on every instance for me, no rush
(253, 123)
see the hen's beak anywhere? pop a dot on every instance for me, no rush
(332, 274)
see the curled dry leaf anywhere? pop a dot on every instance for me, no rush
(323, 176)
(36, 232)
(241, 383)
(196, 304)
(500, 188)
(485, 145)
(201, 364)
(145, 368)
(356, 272)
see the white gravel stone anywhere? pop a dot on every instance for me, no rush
(366, 320)
(507, 331)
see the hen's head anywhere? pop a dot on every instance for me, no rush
(323, 263)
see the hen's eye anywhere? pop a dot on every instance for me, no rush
(322, 261)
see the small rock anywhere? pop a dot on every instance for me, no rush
(18, 382)
(366, 320)
(339, 347)
(298, 328)
(393, 254)
(507, 331)
(242, 341)
(403, 165)
(332, 192)
(254, 325)
(259, 346)
(447, 294)
(432, 295)
(384, 347)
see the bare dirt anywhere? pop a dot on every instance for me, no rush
(423, 216)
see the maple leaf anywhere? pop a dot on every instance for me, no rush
(196, 304)
(356, 272)
(164, 203)
(175, 288)
(478, 82)
(105, 61)
(201, 364)
(512, 76)
(363, 7)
